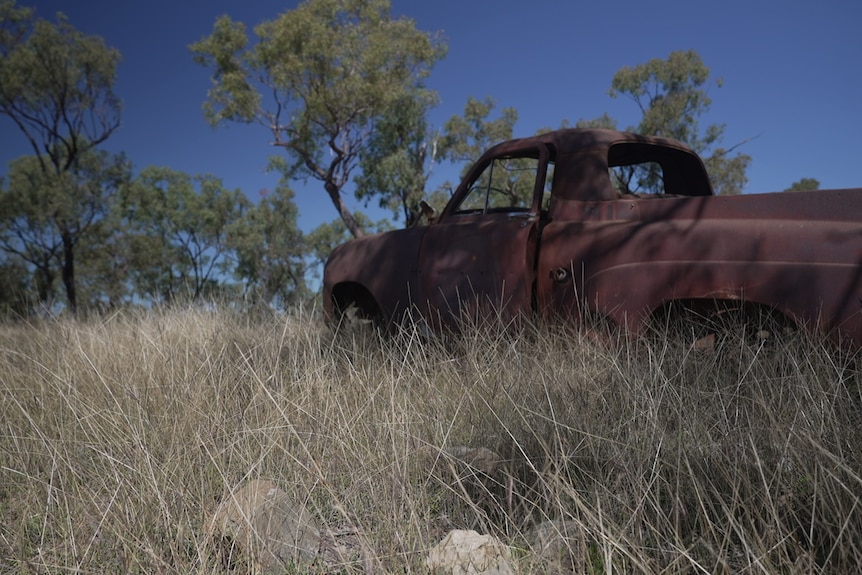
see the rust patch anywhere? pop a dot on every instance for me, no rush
(568, 238)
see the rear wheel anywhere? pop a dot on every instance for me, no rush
(708, 324)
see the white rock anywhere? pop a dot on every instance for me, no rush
(468, 553)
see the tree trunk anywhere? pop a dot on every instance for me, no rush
(346, 216)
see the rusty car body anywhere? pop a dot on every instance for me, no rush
(562, 229)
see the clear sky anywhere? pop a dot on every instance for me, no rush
(792, 74)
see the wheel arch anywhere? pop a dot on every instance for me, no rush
(711, 310)
(354, 294)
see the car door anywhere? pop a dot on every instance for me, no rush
(478, 259)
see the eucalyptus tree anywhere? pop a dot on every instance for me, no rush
(398, 160)
(48, 220)
(397, 164)
(467, 136)
(56, 87)
(672, 96)
(177, 228)
(270, 250)
(27, 230)
(320, 78)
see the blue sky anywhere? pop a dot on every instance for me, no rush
(792, 73)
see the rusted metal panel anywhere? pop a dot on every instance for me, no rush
(805, 263)
(385, 265)
(478, 266)
(620, 255)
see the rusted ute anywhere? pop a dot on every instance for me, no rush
(613, 224)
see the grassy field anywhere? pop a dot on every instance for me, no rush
(120, 436)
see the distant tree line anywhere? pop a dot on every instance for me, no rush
(338, 85)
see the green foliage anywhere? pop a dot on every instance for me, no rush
(603, 121)
(103, 269)
(48, 219)
(324, 238)
(56, 85)
(397, 162)
(466, 137)
(27, 230)
(177, 227)
(804, 185)
(672, 97)
(331, 71)
(162, 237)
(727, 173)
(270, 250)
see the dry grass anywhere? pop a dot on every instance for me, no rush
(119, 437)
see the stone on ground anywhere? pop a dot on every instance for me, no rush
(260, 525)
(468, 553)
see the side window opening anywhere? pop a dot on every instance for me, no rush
(507, 184)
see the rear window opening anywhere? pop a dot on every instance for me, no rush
(646, 170)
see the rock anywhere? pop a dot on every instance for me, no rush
(558, 547)
(468, 553)
(261, 525)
